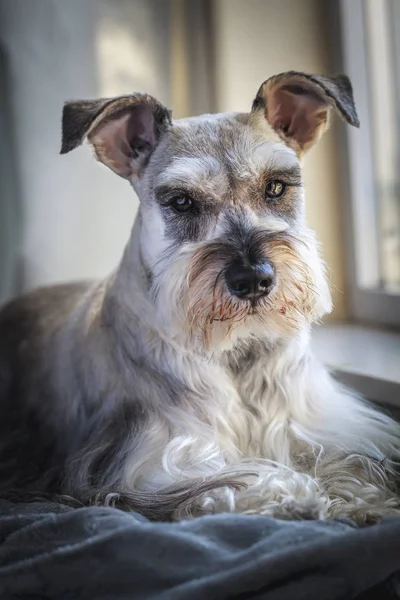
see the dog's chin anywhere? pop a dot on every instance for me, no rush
(238, 309)
(223, 324)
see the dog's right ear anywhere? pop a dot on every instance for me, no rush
(123, 131)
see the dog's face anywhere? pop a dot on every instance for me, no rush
(223, 238)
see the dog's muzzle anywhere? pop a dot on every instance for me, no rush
(248, 281)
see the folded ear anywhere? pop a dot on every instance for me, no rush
(123, 131)
(297, 105)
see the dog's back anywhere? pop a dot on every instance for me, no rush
(28, 326)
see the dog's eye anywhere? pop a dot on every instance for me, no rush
(181, 204)
(275, 189)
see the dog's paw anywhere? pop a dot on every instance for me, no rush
(292, 510)
(363, 516)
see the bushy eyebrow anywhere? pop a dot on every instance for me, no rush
(187, 171)
(252, 161)
(288, 175)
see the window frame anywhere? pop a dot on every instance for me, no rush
(366, 303)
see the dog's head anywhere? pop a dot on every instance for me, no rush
(223, 238)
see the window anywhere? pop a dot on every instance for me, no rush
(370, 35)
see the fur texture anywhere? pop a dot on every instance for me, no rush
(159, 389)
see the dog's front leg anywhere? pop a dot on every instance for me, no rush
(203, 474)
(188, 473)
(301, 417)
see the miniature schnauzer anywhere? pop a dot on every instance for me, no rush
(183, 384)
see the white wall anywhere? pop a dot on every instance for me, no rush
(259, 38)
(76, 214)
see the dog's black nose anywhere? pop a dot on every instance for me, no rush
(250, 281)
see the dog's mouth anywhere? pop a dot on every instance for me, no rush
(232, 308)
(252, 307)
(237, 296)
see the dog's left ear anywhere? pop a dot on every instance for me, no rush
(297, 105)
(123, 131)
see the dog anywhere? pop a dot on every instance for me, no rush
(184, 384)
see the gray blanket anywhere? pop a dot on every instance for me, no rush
(52, 552)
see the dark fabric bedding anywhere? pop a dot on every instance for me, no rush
(53, 552)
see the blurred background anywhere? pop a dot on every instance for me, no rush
(67, 217)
